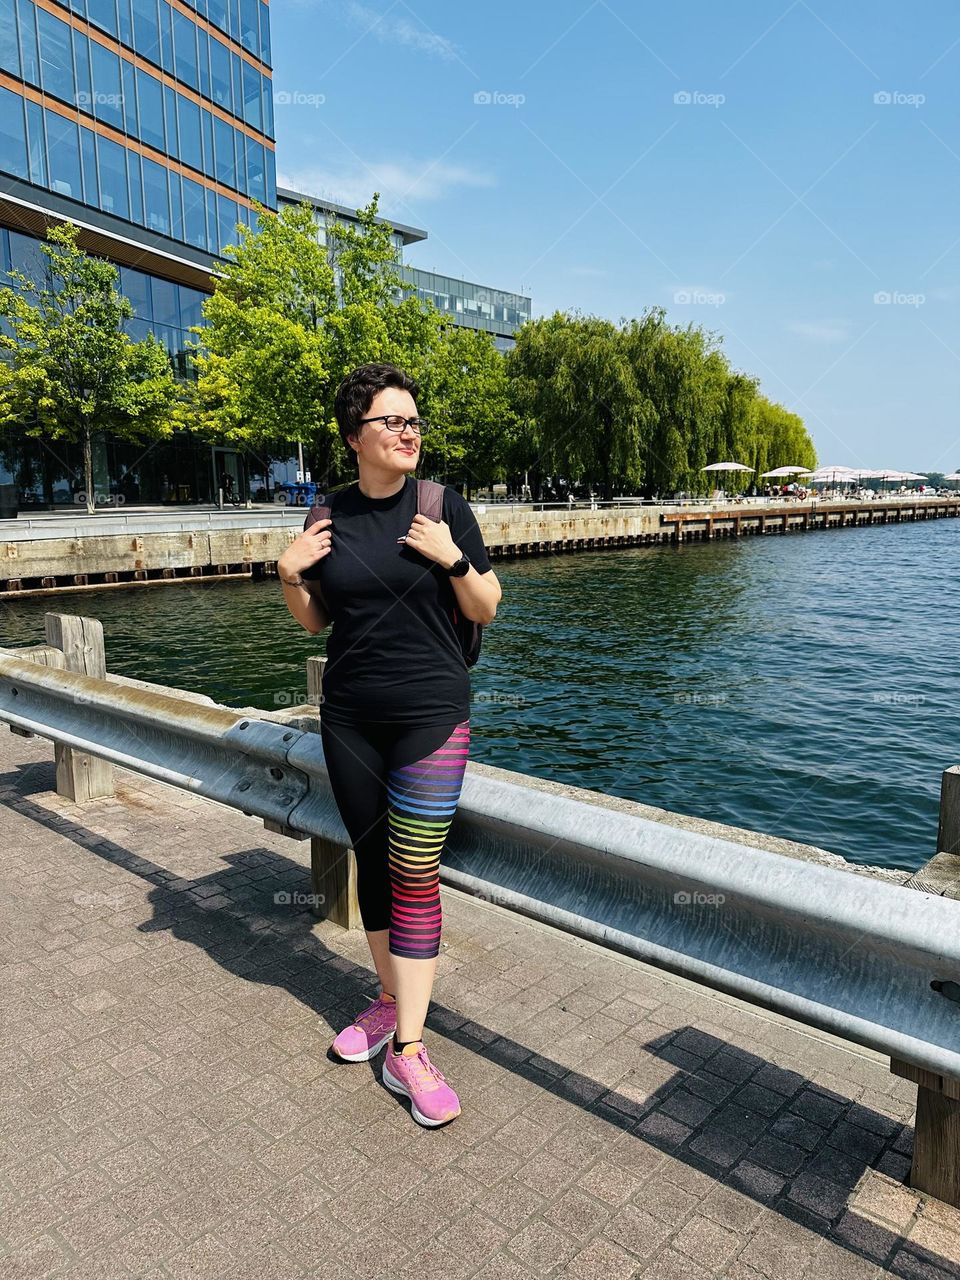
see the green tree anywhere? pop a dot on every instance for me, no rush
(264, 358)
(465, 392)
(70, 370)
(288, 320)
(573, 381)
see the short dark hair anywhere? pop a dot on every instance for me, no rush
(356, 393)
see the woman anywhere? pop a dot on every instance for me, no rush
(395, 724)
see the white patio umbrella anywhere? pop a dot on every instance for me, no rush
(831, 475)
(953, 477)
(784, 471)
(726, 466)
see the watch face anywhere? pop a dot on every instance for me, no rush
(460, 568)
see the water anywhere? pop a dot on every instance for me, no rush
(805, 686)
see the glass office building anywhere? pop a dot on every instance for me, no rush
(473, 306)
(149, 125)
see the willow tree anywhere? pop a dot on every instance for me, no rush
(786, 441)
(572, 378)
(71, 371)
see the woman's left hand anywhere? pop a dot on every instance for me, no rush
(432, 539)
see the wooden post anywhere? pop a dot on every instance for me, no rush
(333, 868)
(948, 836)
(80, 776)
(936, 1142)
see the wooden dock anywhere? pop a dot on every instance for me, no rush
(47, 565)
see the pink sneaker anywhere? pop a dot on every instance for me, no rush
(412, 1074)
(365, 1038)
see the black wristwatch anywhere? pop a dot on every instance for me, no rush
(459, 567)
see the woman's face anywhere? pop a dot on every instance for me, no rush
(397, 451)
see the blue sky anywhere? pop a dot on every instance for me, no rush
(786, 174)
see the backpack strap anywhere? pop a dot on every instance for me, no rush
(317, 512)
(430, 499)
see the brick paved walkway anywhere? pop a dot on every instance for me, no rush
(171, 1109)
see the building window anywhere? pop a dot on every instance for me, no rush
(226, 168)
(103, 14)
(146, 29)
(29, 50)
(56, 56)
(63, 154)
(108, 95)
(220, 74)
(194, 214)
(88, 159)
(191, 152)
(13, 137)
(252, 106)
(36, 144)
(113, 178)
(185, 45)
(9, 49)
(150, 99)
(155, 198)
(256, 185)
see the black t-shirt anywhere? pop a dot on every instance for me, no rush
(393, 654)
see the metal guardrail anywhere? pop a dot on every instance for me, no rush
(865, 960)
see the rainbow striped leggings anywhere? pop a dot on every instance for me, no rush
(397, 790)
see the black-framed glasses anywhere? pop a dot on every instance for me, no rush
(396, 422)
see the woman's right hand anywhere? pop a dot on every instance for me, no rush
(307, 549)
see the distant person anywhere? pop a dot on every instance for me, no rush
(395, 725)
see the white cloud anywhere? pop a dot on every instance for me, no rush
(396, 30)
(398, 184)
(821, 330)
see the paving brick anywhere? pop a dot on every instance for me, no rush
(601, 1259)
(541, 1247)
